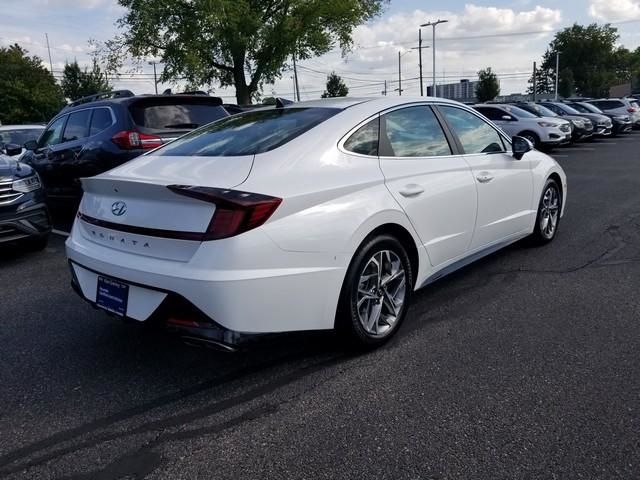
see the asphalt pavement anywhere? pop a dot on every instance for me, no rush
(523, 365)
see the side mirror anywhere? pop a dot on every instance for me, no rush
(520, 146)
(31, 145)
(12, 149)
(506, 117)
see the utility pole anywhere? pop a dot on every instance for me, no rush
(433, 25)
(419, 48)
(557, 73)
(295, 77)
(399, 75)
(385, 89)
(535, 73)
(46, 35)
(155, 77)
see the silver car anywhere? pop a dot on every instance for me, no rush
(541, 131)
(620, 106)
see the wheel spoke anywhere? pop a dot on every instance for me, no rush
(374, 316)
(390, 304)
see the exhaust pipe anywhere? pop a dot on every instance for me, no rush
(208, 343)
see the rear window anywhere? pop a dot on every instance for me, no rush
(175, 116)
(248, 133)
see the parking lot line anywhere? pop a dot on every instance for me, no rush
(581, 149)
(60, 232)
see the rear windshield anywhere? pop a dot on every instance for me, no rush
(248, 133)
(175, 116)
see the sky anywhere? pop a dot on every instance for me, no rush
(507, 35)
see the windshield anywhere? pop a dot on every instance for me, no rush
(248, 133)
(569, 110)
(586, 108)
(518, 112)
(539, 110)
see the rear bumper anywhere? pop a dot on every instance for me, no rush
(300, 293)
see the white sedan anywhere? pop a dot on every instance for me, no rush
(309, 216)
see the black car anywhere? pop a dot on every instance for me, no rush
(24, 217)
(603, 126)
(621, 123)
(98, 133)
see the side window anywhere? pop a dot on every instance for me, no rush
(77, 126)
(413, 132)
(100, 120)
(492, 113)
(476, 135)
(365, 140)
(53, 134)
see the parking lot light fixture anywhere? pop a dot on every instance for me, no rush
(433, 47)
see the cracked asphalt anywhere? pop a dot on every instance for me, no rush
(523, 365)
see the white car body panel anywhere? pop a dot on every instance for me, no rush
(287, 274)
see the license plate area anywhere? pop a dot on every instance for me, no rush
(112, 295)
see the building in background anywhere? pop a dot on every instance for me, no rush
(463, 91)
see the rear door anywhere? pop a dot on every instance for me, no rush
(434, 186)
(504, 184)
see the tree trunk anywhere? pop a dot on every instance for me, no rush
(243, 92)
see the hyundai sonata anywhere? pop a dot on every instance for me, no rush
(309, 216)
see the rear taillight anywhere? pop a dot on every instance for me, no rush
(236, 212)
(631, 110)
(130, 140)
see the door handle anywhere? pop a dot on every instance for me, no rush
(411, 190)
(484, 177)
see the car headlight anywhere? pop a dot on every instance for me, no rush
(27, 185)
(548, 124)
(578, 123)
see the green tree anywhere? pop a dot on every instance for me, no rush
(28, 91)
(241, 43)
(544, 82)
(335, 87)
(566, 83)
(590, 53)
(488, 86)
(77, 83)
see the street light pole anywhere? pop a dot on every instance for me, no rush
(155, 76)
(433, 25)
(399, 75)
(557, 73)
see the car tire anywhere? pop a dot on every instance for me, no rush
(548, 217)
(375, 294)
(36, 244)
(532, 137)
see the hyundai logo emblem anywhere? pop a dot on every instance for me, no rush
(118, 208)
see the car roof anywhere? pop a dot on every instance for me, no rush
(32, 126)
(377, 102)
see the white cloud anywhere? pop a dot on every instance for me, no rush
(468, 42)
(615, 10)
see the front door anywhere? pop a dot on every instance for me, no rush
(504, 184)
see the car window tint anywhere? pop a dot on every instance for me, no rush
(53, 134)
(491, 113)
(248, 133)
(176, 116)
(100, 120)
(476, 135)
(519, 112)
(365, 140)
(415, 132)
(77, 126)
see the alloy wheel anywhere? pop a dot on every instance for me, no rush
(549, 212)
(381, 293)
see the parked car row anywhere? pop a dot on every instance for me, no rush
(549, 124)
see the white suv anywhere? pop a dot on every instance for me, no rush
(620, 106)
(541, 131)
